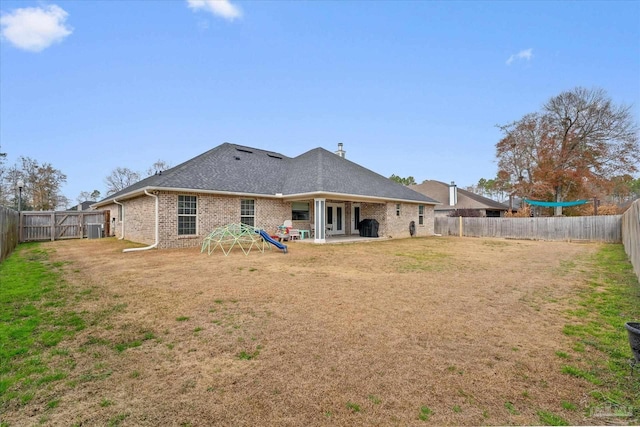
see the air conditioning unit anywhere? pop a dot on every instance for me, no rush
(94, 231)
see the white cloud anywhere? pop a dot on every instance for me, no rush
(222, 8)
(526, 54)
(35, 28)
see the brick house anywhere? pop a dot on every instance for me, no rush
(317, 190)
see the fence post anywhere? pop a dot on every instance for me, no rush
(460, 225)
(53, 226)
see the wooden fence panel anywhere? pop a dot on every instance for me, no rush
(9, 235)
(631, 235)
(605, 228)
(39, 226)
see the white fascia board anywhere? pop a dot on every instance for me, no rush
(140, 192)
(287, 197)
(353, 197)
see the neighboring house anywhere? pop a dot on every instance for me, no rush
(318, 190)
(84, 206)
(454, 198)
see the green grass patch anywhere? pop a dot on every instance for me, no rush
(34, 318)
(244, 355)
(579, 373)
(105, 402)
(511, 408)
(551, 419)
(610, 298)
(353, 407)
(424, 413)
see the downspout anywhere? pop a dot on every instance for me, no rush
(155, 245)
(121, 205)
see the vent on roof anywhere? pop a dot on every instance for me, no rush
(244, 150)
(274, 156)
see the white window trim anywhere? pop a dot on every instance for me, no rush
(195, 215)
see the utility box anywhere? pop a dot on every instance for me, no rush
(94, 231)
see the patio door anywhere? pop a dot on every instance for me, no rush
(355, 217)
(335, 218)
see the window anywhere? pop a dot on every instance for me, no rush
(248, 212)
(300, 211)
(187, 210)
(420, 214)
(119, 212)
(397, 209)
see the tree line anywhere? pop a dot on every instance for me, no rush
(580, 145)
(42, 184)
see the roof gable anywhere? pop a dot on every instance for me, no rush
(319, 170)
(466, 199)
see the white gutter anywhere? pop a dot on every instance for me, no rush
(155, 245)
(121, 205)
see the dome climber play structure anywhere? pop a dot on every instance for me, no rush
(243, 236)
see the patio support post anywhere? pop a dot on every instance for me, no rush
(319, 219)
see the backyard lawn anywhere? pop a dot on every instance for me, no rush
(425, 331)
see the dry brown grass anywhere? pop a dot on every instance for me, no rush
(466, 327)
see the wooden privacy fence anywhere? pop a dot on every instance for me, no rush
(631, 235)
(8, 231)
(606, 228)
(37, 226)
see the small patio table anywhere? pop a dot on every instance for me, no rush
(303, 233)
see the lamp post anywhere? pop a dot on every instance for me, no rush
(20, 185)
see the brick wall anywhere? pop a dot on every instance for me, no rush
(397, 226)
(139, 220)
(214, 211)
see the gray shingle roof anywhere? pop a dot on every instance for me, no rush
(237, 169)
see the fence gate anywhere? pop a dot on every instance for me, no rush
(37, 226)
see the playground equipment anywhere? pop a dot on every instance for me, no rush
(242, 235)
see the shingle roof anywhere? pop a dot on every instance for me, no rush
(466, 199)
(238, 169)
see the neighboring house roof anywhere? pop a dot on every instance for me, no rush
(466, 199)
(83, 206)
(230, 168)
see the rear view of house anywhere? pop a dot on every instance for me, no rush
(318, 190)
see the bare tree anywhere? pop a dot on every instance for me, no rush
(85, 196)
(42, 184)
(577, 144)
(120, 179)
(158, 166)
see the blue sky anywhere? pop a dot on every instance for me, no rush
(410, 88)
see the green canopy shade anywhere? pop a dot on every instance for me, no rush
(554, 204)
